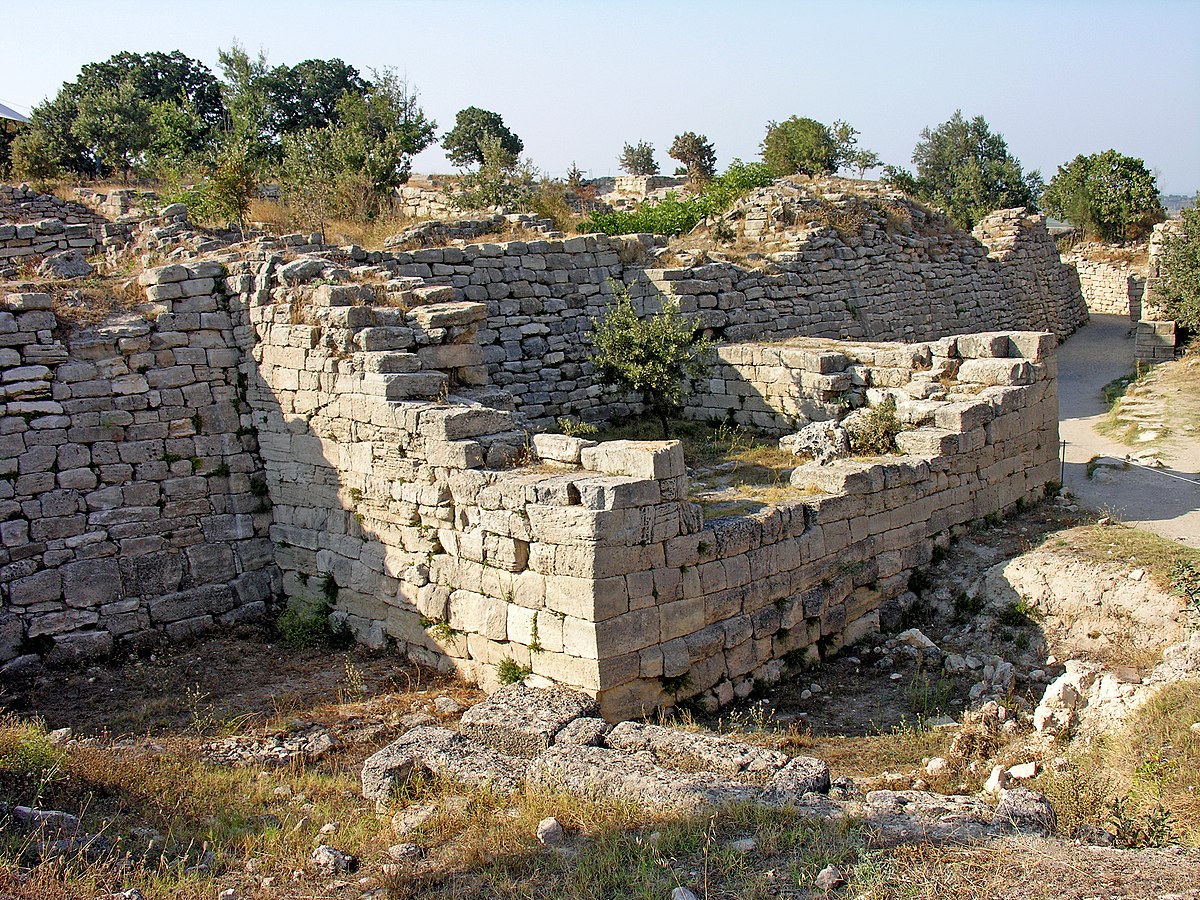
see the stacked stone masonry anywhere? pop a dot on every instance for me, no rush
(1110, 288)
(128, 492)
(23, 204)
(32, 242)
(354, 426)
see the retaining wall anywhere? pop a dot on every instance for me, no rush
(127, 484)
(1110, 288)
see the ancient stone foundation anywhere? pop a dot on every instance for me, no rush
(360, 428)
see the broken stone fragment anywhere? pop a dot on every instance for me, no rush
(443, 753)
(523, 721)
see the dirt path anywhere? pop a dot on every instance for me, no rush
(1095, 355)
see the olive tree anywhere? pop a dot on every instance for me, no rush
(696, 153)
(965, 169)
(638, 159)
(1178, 288)
(650, 356)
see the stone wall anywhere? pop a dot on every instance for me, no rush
(424, 203)
(31, 242)
(23, 204)
(1151, 308)
(1109, 288)
(391, 484)
(131, 493)
(353, 427)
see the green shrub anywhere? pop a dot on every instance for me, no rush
(1178, 290)
(672, 216)
(508, 672)
(875, 433)
(649, 356)
(309, 625)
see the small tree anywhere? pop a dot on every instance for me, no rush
(696, 153)
(863, 160)
(1106, 195)
(464, 143)
(648, 356)
(966, 170)
(638, 159)
(800, 147)
(500, 180)
(34, 158)
(1178, 289)
(115, 125)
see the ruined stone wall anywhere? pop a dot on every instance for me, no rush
(595, 570)
(30, 242)
(1109, 288)
(24, 204)
(131, 496)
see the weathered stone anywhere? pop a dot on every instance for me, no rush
(523, 721)
(443, 753)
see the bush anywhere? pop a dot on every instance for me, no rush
(309, 624)
(696, 153)
(800, 146)
(1178, 290)
(967, 171)
(672, 216)
(1106, 195)
(638, 159)
(648, 356)
(875, 433)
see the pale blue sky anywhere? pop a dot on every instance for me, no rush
(577, 79)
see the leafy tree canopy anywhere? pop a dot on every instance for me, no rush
(638, 159)
(799, 146)
(696, 153)
(465, 142)
(966, 170)
(1106, 195)
(132, 82)
(307, 94)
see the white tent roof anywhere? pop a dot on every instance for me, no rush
(7, 113)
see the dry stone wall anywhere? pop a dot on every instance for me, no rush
(352, 427)
(130, 491)
(31, 242)
(22, 203)
(1110, 288)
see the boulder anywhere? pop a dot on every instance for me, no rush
(68, 264)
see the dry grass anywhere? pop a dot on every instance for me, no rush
(1131, 547)
(478, 844)
(367, 233)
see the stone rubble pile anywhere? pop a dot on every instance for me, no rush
(524, 737)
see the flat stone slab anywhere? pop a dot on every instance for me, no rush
(903, 817)
(522, 721)
(688, 751)
(443, 753)
(600, 772)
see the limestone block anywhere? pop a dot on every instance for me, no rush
(447, 315)
(983, 345)
(599, 772)
(617, 492)
(442, 753)
(523, 721)
(690, 752)
(996, 371)
(638, 459)
(90, 583)
(560, 447)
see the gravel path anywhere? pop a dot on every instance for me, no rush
(1092, 357)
